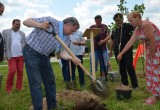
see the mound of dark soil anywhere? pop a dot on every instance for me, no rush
(82, 100)
(91, 104)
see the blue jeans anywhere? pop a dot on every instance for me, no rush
(39, 69)
(65, 70)
(101, 56)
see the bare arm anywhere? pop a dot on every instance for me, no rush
(31, 23)
(64, 55)
(149, 32)
(104, 40)
(82, 42)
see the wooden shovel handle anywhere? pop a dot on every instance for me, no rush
(73, 56)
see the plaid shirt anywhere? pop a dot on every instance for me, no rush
(43, 42)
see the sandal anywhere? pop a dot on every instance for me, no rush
(150, 101)
(148, 98)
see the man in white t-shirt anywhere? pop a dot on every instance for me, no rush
(14, 40)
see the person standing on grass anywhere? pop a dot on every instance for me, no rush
(119, 38)
(77, 47)
(14, 41)
(36, 55)
(100, 49)
(150, 34)
(1, 39)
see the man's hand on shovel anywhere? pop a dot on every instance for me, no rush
(65, 55)
(76, 60)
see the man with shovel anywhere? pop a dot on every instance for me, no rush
(40, 43)
(119, 38)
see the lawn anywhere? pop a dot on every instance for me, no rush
(21, 100)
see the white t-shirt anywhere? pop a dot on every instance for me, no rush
(16, 45)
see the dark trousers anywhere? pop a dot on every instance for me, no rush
(80, 71)
(65, 70)
(126, 66)
(39, 69)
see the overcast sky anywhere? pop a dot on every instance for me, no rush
(83, 10)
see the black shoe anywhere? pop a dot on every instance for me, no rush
(135, 88)
(68, 85)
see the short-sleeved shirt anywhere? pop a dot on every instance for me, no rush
(77, 37)
(101, 36)
(127, 31)
(43, 42)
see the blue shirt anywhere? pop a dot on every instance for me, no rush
(77, 37)
(43, 42)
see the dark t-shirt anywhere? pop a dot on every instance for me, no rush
(127, 30)
(1, 48)
(101, 36)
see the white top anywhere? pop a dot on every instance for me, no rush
(76, 49)
(16, 45)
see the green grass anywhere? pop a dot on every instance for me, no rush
(22, 100)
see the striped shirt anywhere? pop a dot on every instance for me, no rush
(43, 42)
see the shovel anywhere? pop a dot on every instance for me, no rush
(98, 86)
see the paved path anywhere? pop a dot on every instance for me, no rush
(53, 59)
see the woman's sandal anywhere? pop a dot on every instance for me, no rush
(150, 101)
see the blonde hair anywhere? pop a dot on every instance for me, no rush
(135, 14)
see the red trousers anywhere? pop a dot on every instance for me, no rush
(15, 65)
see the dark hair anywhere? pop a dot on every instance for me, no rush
(118, 15)
(15, 21)
(73, 21)
(1, 4)
(97, 17)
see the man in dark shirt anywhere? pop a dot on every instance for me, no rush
(100, 47)
(119, 38)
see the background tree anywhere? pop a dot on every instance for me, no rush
(125, 11)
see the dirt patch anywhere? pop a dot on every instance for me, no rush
(123, 88)
(81, 100)
(76, 96)
(90, 104)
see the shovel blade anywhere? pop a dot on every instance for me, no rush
(100, 88)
